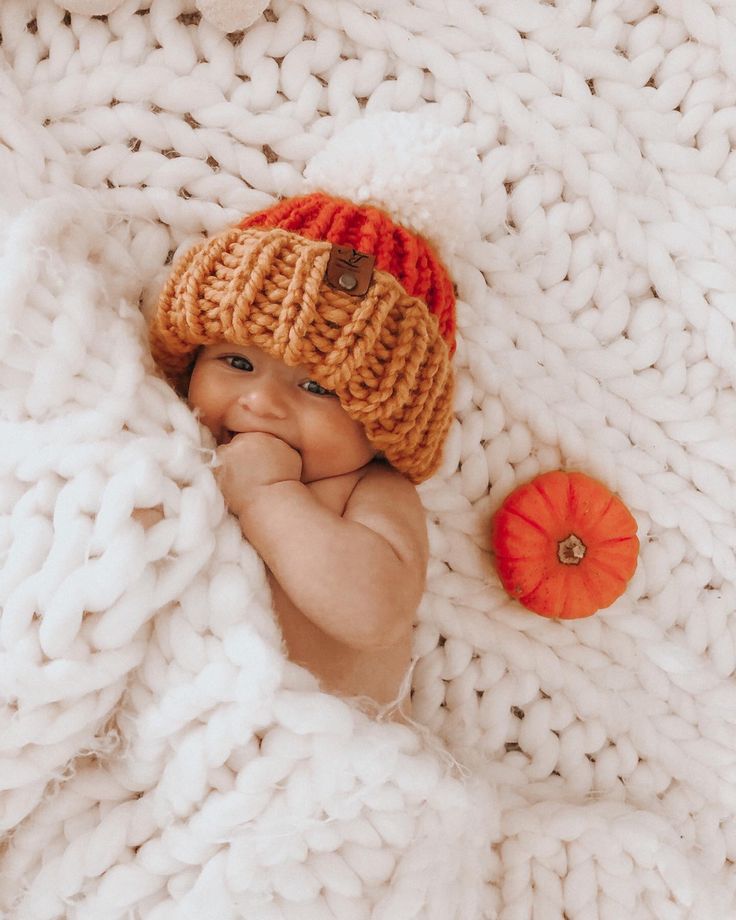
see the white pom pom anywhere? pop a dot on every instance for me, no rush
(425, 174)
(230, 15)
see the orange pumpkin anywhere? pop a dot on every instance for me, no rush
(565, 546)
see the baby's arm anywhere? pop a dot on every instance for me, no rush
(358, 577)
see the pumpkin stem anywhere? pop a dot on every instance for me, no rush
(571, 550)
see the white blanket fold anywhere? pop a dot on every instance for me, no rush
(166, 757)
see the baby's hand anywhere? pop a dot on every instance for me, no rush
(251, 460)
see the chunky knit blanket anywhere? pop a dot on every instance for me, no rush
(159, 756)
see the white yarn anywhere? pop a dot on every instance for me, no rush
(159, 757)
(426, 174)
(92, 7)
(230, 15)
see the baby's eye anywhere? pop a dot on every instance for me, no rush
(247, 365)
(311, 386)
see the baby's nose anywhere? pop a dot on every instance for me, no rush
(265, 399)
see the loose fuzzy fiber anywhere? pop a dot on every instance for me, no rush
(160, 757)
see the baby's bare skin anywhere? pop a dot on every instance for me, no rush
(342, 670)
(342, 534)
(345, 594)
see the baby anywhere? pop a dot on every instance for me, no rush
(309, 340)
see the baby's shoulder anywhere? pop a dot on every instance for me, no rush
(384, 500)
(379, 480)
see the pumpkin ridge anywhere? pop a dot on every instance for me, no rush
(614, 540)
(539, 558)
(569, 597)
(526, 594)
(586, 605)
(572, 498)
(608, 506)
(546, 498)
(601, 518)
(527, 520)
(600, 564)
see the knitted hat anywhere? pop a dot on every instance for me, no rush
(382, 343)
(318, 280)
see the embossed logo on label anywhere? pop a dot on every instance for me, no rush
(349, 270)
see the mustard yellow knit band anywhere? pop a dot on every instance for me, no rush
(381, 353)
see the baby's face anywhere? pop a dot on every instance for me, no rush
(241, 388)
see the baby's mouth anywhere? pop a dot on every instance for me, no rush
(227, 436)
